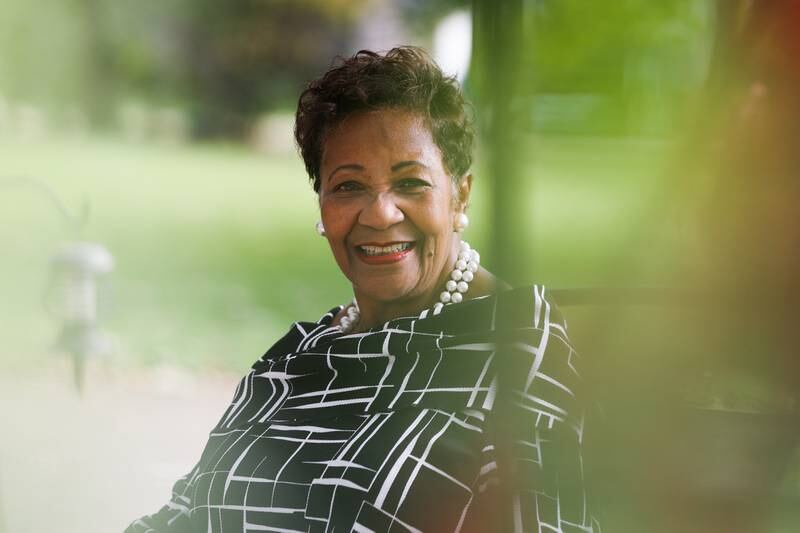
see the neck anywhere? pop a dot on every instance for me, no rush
(374, 313)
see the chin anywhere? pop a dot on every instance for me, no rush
(384, 292)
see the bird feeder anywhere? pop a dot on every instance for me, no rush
(75, 271)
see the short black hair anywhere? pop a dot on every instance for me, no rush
(405, 78)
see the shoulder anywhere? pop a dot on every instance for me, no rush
(524, 310)
(298, 333)
(528, 318)
(520, 308)
(528, 306)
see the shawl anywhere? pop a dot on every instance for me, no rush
(391, 429)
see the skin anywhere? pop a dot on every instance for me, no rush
(383, 182)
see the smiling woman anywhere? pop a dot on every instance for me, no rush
(387, 142)
(381, 415)
(390, 210)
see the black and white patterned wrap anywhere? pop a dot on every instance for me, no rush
(391, 429)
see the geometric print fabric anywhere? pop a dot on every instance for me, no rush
(391, 429)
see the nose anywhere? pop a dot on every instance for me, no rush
(381, 212)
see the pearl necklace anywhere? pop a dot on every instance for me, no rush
(464, 272)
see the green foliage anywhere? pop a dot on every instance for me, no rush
(580, 48)
(637, 59)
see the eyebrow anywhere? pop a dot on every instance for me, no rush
(351, 166)
(403, 164)
(397, 166)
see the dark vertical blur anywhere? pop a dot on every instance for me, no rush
(497, 61)
(497, 49)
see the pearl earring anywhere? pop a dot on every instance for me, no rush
(462, 222)
(320, 229)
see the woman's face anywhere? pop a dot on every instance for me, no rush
(389, 206)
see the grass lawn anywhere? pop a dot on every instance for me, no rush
(215, 246)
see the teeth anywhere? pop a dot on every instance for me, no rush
(383, 250)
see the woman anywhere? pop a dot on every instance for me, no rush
(379, 415)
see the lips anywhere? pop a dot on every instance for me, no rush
(375, 253)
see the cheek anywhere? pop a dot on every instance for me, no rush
(435, 225)
(336, 220)
(435, 220)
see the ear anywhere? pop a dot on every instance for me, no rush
(463, 190)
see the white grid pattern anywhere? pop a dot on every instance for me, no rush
(390, 430)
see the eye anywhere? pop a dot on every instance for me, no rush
(413, 185)
(348, 186)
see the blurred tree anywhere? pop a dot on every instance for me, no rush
(225, 62)
(229, 61)
(244, 58)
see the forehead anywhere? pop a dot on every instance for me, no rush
(379, 137)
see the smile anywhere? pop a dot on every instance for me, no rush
(375, 253)
(384, 250)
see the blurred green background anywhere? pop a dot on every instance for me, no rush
(164, 130)
(172, 123)
(215, 247)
